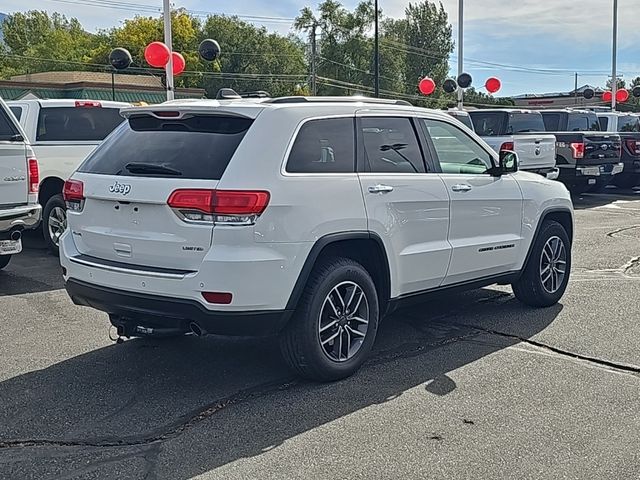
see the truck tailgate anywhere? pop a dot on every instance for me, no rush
(535, 151)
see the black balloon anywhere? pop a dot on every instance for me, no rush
(636, 91)
(464, 80)
(120, 58)
(209, 50)
(588, 93)
(450, 85)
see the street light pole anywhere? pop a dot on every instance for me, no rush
(168, 42)
(614, 76)
(460, 49)
(376, 52)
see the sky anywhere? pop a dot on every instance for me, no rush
(536, 44)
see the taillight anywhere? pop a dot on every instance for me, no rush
(73, 193)
(578, 149)
(633, 146)
(507, 146)
(229, 207)
(34, 175)
(221, 298)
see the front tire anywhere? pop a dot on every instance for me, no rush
(546, 275)
(4, 261)
(54, 222)
(336, 322)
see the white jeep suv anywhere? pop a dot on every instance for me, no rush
(310, 218)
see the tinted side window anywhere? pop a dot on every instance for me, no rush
(199, 147)
(604, 123)
(551, 122)
(628, 123)
(7, 128)
(17, 112)
(525, 122)
(324, 146)
(488, 124)
(59, 124)
(391, 145)
(457, 152)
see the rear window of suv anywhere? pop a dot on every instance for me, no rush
(76, 124)
(525, 122)
(199, 147)
(628, 123)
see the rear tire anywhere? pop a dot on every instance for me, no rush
(546, 275)
(4, 261)
(336, 322)
(54, 222)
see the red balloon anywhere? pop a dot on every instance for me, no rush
(493, 84)
(427, 86)
(179, 63)
(622, 95)
(157, 54)
(606, 96)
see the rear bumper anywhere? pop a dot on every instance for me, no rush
(581, 174)
(24, 217)
(138, 312)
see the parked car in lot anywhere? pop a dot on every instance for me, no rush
(521, 131)
(19, 209)
(587, 158)
(244, 218)
(628, 127)
(62, 133)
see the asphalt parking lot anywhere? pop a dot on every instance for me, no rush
(470, 386)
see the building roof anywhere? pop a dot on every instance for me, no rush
(580, 91)
(63, 78)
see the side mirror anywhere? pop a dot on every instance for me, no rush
(508, 163)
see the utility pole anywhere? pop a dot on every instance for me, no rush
(614, 76)
(460, 49)
(575, 90)
(168, 43)
(314, 56)
(376, 52)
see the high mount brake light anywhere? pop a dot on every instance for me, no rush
(88, 103)
(231, 207)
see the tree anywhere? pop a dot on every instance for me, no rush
(37, 35)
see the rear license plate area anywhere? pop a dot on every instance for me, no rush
(10, 247)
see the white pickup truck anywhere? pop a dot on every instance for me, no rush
(19, 209)
(63, 132)
(521, 131)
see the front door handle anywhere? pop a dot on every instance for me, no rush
(380, 189)
(462, 187)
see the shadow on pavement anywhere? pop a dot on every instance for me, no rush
(608, 196)
(33, 270)
(225, 399)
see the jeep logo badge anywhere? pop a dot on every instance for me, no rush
(120, 188)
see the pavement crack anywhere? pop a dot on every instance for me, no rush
(578, 356)
(621, 230)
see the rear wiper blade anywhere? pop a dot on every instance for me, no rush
(150, 168)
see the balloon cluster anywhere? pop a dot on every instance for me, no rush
(622, 95)
(157, 55)
(427, 85)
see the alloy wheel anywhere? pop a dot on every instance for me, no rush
(553, 264)
(57, 223)
(344, 321)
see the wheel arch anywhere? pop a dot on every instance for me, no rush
(49, 187)
(562, 215)
(364, 247)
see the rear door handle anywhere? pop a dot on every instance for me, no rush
(463, 187)
(380, 189)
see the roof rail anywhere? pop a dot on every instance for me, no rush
(356, 99)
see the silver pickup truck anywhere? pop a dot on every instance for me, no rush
(19, 180)
(521, 131)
